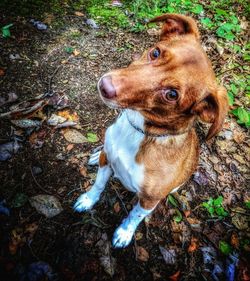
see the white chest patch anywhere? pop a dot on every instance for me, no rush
(121, 145)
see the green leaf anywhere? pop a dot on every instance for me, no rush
(172, 200)
(205, 204)
(178, 216)
(230, 98)
(233, 89)
(235, 111)
(6, 30)
(69, 50)
(19, 200)
(221, 212)
(243, 115)
(221, 12)
(91, 137)
(197, 9)
(207, 22)
(225, 248)
(218, 201)
(247, 204)
(211, 210)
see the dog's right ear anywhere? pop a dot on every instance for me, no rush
(175, 24)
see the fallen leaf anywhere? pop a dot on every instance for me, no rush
(74, 136)
(91, 137)
(37, 138)
(142, 254)
(19, 200)
(168, 255)
(8, 149)
(193, 245)
(240, 221)
(235, 240)
(79, 14)
(117, 207)
(68, 115)
(2, 72)
(76, 53)
(70, 147)
(26, 123)
(225, 248)
(83, 171)
(11, 97)
(55, 120)
(17, 240)
(46, 205)
(175, 276)
(107, 260)
(138, 236)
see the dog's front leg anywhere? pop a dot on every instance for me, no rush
(87, 200)
(124, 233)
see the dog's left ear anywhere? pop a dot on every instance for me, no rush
(213, 109)
(175, 24)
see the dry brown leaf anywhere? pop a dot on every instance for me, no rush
(68, 115)
(17, 240)
(175, 276)
(79, 14)
(117, 207)
(2, 72)
(235, 240)
(70, 147)
(193, 245)
(74, 136)
(76, 53)
(83, 171)
(142, 254)
(46, 205)
(138, 236)
(239, 137)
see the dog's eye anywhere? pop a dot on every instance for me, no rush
(171, 95)
(155, 53)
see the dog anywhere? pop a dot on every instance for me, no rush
(152, 148)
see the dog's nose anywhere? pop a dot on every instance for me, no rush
(106, 87)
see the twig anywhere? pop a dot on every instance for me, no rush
(37, 182)
(51, 79)
(230, 69)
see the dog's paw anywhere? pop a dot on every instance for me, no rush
(94, 158)
(122, 236)
(84, 203)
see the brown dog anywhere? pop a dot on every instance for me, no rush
(152, 148)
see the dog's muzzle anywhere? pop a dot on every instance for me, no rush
(106, 88)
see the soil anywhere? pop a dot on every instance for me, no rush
(73, 244)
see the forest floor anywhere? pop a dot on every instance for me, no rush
(54, 72)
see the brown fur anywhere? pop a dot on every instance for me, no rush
(167, 164)
(103, 161)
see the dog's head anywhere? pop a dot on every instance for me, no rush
(172, 83)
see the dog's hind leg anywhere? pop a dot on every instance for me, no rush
(87, 200)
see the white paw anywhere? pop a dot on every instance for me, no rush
(123, 236)
(94, 158)
(84, 203)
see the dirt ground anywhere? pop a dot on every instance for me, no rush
(66, 62)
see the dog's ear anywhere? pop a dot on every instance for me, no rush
(175, 24)
(213, 109)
